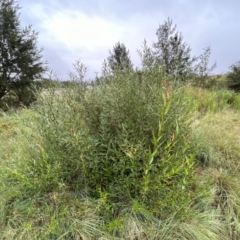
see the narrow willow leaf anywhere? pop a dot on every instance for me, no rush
(168, 107)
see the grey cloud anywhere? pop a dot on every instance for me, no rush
(203, 23)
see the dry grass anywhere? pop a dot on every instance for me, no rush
(219, 132)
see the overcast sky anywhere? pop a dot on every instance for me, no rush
(87, 29)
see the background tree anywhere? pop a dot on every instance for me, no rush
(119, 58)
(148, 60)
(202, 70)
(171, 51)
(20, 60)
(233, 77)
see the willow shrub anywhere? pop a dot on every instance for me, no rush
(140, 126)
(126, 138)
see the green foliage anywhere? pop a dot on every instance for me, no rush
(20, 59)
(147, 57)
(61, 162)
(214, 100)
(118, 161)
(233, 76)
(171, 52)
(28, 207)
(202, 70)
(127, 138)
(119, 58)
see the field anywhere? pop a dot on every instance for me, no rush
(122, 160)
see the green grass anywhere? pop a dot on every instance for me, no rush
(122, 161)
(214, 100)
(219, 133)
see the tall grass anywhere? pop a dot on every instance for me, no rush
(214, 100)
(218, 151)
(219, 139)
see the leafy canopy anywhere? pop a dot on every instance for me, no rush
(171, 51)
(234, 74)
(20, 60)
(119, 58)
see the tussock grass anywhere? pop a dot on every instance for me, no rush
(218, 135)
(52, 216)
(218, 146)
(223, 199)
(18, 137)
